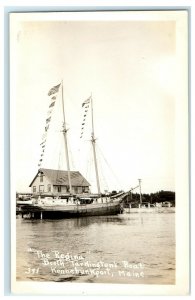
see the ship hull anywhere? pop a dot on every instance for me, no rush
(71, 211)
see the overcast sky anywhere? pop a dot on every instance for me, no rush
(129, 66)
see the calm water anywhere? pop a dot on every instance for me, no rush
(127, 248)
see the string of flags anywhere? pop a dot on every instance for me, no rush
(53, 92)
(85, 106)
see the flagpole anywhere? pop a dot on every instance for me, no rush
(93, 140)
(64, 131)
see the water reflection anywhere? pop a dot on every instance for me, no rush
(135, 238)
(78, 222)
(87, 221)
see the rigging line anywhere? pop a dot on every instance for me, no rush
(90, 170)
(71, 158)
(87, 165)
(59, 158)
(71, 103)
(89, 161)
(56, 149)
(104, 182)
(57, 177)
(116, 178)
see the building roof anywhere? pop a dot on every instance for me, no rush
(59, 177)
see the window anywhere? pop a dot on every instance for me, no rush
(41, 188)
(49, 187)
(59, 189)
(85, 189)
(80, 190)
(63, 189)
(34, 189)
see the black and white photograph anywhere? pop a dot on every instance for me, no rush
(99, 152)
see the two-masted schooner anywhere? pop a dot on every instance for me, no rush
(66, 205)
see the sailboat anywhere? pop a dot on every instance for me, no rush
(75, 205)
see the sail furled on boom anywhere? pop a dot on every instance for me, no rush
(53, 92)
(85, 106)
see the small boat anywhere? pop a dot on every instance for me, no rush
(24, 202)
(73, 205)
(23, 199)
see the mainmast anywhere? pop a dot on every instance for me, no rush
(64, 131)
(93, 141)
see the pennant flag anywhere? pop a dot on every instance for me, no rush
(85, 105)
(48, 120)
(46, 127)
(51, 93)
(49, 112)
(52, 104)
(86, 101)
(44, 136)
(43, 142)
(54, 90)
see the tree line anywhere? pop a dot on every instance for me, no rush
(161, 196)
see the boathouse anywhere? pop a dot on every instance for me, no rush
(56, 181)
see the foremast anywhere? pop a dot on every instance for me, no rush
(93, 141)
(64, 131)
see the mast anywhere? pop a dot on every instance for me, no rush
(140, 192)
(93, 140)
(64, 131)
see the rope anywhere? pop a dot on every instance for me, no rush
(109, 167)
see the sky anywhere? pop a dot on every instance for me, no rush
(130, 68)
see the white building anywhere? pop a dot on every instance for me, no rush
(56, 181)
